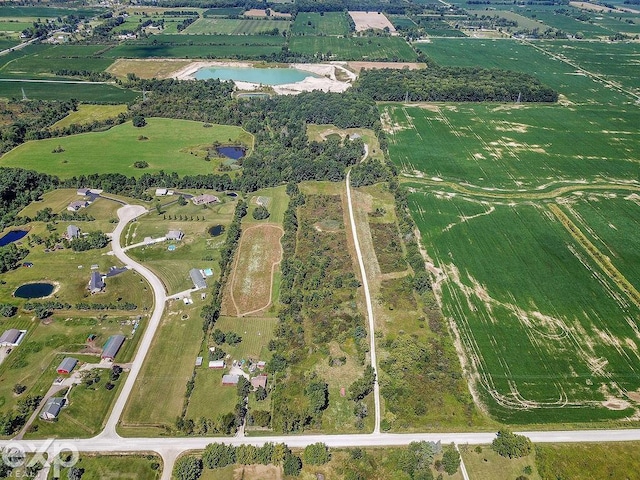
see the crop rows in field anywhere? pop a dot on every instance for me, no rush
(547, 335)
(327, 23)
(520, 147)
(365, 48)
(229, 26)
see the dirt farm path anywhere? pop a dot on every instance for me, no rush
(240, 298)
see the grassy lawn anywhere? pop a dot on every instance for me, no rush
(85, 413)
(488, 465)
(88, 114)
(168, 366)
(171, 145)
(319, 133)
(210, 398)
(255, 332)
(124, 467)
(278, 204)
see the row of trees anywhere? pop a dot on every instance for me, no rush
(453, 84)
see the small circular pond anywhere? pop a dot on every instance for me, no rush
(12, 236)
(236, 153)
(216, 230)
(34, 290)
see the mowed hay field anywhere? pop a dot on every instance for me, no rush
(327, 23)
(519, 147)
(86, 114)
(234, 26)
(166, 144)
(251, 282)
(350, 48)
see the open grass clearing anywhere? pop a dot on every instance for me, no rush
(319, 133)
(90, 113)
(146, 68)
(129, 467)
(277, 204)
(167, 368)
(486, 464)
(210, 399)
(325, 23)
(352, 48)
(255, 332)
(251, 283)
(170, 145)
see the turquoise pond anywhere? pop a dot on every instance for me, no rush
(265, 76)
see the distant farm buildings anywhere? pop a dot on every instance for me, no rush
(205, 199)
(197, 278)
(111, 348)
(175, 235)
(52, 408)
(82, 191)
(96, 284)
(67, 365)
(12, 337)
(217, 364)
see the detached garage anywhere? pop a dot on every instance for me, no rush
(112, 347)
(67, 365)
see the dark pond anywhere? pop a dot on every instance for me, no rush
(12, 236)
(34, 290)
(216, 230)
(232, 194)
(231, 152)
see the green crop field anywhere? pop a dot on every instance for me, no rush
(83, 92)
(170, 145)
(521, 147)
(233, 26)
(531, 58)
(47, 12)
(401, 21)
(223, 12)
(351, 48)
(328, 23)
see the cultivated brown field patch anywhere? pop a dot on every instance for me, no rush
(250, 285)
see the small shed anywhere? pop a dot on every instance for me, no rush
(230, 380)
(11, 337)
(217, 364)
(262, 201)
(197, 278)
(259, 381)
(96, 284)
(175, 235)
(73, 232)
(112, 347)
(198, 361)
(67, 365)
(52, 408)
(161, 192)
(82, 191)
(261, 364)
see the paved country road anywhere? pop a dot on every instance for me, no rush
(170, 448)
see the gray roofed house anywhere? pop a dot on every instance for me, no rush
(230, 379)
(82, 191)
(197, 278)
(67, 365)
(204, 199)
(52, 408)
(112, 347)
(175, 235)
(77, 205)
(10, 337)
(73, 232)
(96, 284)
(259, 381)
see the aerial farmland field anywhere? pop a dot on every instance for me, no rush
(385, 48)
(234, 26)
(328, 23)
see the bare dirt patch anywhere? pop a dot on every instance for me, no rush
(250, 286)
(149, 68)
(256, 13)
(374, 20)
(263, 472)
(358, 66)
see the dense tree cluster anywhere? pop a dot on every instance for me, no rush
(18, 188)
(11, 256)
(368, 173)
(93, 240)
(511, 445)
(453, 84)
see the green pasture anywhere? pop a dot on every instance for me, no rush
(278, 203)
(531, 58)
(482, 463)
(101, 467)
(15, 26)
(170, 145)
(327, 23)
(86, 114)
(200, 46)
(354, 48)
(84, 92)
(255, 332)
(401, 22)
(520, 147)
(196, 250)
(223, 11)
(548, 16)
(47, 12)
(166, 370)
(210, 398)
(548, 331)
(233, 26)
